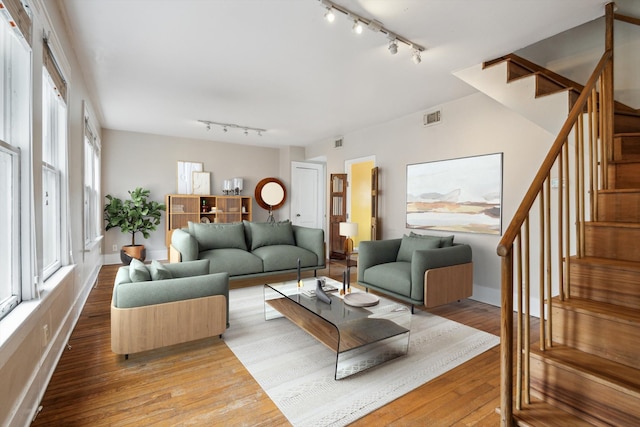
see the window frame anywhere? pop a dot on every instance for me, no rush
(92, 186)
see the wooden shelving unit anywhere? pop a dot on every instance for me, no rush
(182, 208)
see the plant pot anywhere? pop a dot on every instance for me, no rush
(127, 253)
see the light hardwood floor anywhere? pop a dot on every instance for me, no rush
(203, 383)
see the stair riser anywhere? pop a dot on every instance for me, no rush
(605, 284)
(626, 148)
(608, 338)
(624, 123)
(612, 242)
(569, 389)
(619, 207)
(623, 176)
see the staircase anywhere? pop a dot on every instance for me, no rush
(584, 368)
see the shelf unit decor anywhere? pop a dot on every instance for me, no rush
(182, 208)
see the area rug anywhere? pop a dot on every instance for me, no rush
(297, 371)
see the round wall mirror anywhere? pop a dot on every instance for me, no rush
(270, 194)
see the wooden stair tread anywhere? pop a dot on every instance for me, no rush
(601, 309)
(615, 375)
(542, 414)
(620, 191)
(613, 224)
(626, 135)
(608, 262)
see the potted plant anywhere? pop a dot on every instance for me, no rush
(135, 215)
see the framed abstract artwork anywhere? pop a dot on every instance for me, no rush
(185, 175)
(201, 183)
(463, 194)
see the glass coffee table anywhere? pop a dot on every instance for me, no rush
(361, 337)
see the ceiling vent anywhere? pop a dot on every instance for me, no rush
(337, 143)
(432, 118)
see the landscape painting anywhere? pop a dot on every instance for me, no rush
(463, 194)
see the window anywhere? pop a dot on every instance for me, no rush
(9, 228)
(54, 125)
(15, 84)
(92, 212)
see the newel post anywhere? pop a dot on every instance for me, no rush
(506, 340)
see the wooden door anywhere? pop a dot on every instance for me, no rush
(337, 214)
(376, 229)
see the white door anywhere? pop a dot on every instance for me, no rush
(307, 194)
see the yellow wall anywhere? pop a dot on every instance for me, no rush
(361, 199)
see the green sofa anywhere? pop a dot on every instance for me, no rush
(419, 269)
(154, 305)
(250, 249)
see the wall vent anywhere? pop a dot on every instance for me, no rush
(337, 143)
(432, 118)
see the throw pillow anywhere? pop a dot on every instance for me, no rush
(138, 272)
(219, 236)
(267, 234)
(412, 243)
(159, 271)
(445, 241)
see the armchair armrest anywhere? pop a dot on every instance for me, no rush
(376, 252)
(185, 244)
(427, 259)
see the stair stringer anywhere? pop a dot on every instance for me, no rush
(549, 111)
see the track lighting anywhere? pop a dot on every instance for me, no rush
(416, 56)
(225, 127)
(358, 26)
(329, 15)
(393, 46)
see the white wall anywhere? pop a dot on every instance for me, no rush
(470, 126)
(131, 160)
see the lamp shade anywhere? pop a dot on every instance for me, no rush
(348, 229)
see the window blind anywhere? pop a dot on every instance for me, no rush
(51, 65)
(18, 17)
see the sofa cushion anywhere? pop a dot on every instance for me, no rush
(236, 262)
(138, 272)
(445, 241)
(410, 244)
(219, 236)
(285, 257)
(267, 234)
(392, 276)
(159, 271)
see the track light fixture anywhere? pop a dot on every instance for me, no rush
(225, 127)
(358, 26)
(416, 56)
(393, 46)
(329, 15)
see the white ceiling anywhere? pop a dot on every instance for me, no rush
(158, 66)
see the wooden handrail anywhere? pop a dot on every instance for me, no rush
(506, 243)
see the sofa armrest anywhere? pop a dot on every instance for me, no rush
(138, 294)
(428, 259)
(311, 239)
(374, 252)
(185, 244)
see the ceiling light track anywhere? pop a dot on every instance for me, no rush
(373, 25)
(226, 126)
